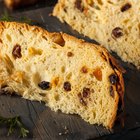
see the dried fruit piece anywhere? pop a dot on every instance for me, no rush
(44, 85)
(58, 39)
(0, 41)
(55, 81)
(69, 54)
(17, 51)
(86, 92)
(42, 94)
(111, 91)
(67, 86)
(98, 74)
(113, 79)
(125, 7)
(84, 69)
(78, 5)
(117, 32)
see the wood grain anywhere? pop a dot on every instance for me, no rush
(46, 124)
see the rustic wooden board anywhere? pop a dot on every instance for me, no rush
(46, 124)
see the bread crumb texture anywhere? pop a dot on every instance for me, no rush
(114, 24)
(66, 73)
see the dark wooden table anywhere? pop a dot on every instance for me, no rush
(45, 124)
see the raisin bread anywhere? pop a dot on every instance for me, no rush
(12, 4)
(66, 73)
(113, 23)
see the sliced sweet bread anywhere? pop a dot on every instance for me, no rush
(113, 23)
(66, 73)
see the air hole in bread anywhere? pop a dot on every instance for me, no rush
(63, 69)
(126, 21)
(65, 10)
(8, 37)
(110, 2)
(94, 114)
(3, 85)
(86, 92)
(139, 27)
(56, 97)
(34, 51)
(126, 39)
(42, 94)
(20, 32)
(78, 5)
(0, 41)
(54, 47)
(44, 37)
(36, 77)
(69, 54)
(99, 90)
(100, 2)
(82, 101)
(100, 102)
(68, 77)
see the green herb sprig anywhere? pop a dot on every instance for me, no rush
(13, 123)
(7, 17)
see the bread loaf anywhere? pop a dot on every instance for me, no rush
(115, 24)
(66, 73)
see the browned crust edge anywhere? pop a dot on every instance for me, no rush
(104, 53)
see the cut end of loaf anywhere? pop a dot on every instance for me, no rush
(66, 73)
(107, 22)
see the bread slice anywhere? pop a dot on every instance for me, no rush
(12, 4)
(114, 24)
(66, 73)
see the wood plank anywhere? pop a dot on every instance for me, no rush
(46, 124)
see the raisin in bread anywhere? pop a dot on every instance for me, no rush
(66, 73)
(12, 4)
(114, 24)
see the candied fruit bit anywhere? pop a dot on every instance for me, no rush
(113, 79)
(44, 85)
(117, 32)
(78, 5)
(67, 86)
(17, 51)
(126, 7)
(98, 74)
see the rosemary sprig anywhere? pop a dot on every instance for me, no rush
(6, 17)
(14, 123)
(22, 19)
(25, 20)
